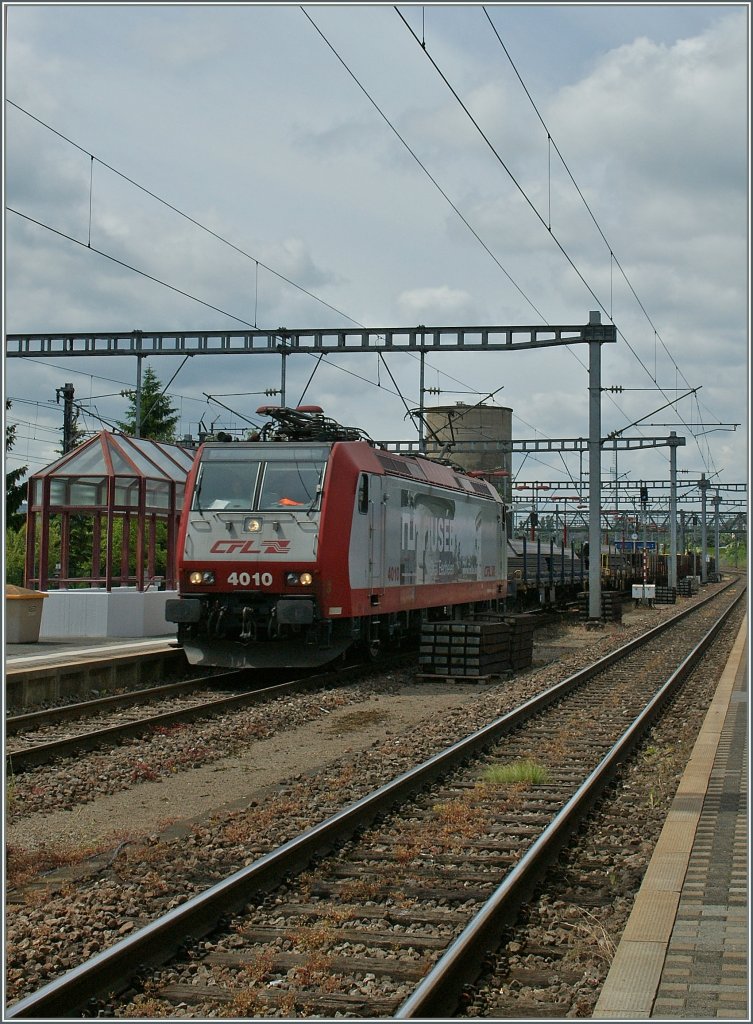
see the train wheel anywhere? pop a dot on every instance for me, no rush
(372, 649)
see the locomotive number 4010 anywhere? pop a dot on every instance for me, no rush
(246, 579)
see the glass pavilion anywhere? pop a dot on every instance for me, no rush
(106, 515)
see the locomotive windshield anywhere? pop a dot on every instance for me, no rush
(252, 484)
(290, 485)
(230, 485)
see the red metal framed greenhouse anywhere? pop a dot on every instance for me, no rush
(106, 515)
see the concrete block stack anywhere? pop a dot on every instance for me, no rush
(469, 649)
(611, 606)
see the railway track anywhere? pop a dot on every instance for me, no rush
(31, 721)
(390, 922)
(72, 735)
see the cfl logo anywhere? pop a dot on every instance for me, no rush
(248, 547)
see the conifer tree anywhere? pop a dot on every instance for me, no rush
(15, 491)
(159, 417)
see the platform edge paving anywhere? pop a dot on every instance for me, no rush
(633, 988)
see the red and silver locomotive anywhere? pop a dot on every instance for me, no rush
(311, 539)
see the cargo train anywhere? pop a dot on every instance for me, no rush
(310, 539)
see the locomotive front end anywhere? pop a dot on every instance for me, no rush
(248, 574)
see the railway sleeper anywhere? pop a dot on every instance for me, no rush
(275, 998)
(542, 977)
(281, 963)
(522, 1009)
(396, 940)
(340, 890)
(521, 823)
(395, 915)
(544, 798)
(492, 860)
(410, 873)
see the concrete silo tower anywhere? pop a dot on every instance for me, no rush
(461, 422)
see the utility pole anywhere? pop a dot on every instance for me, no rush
(284, 350)
(672, 566)
(704, 485)
(68, 418)
(644, 516)
(138, 341)
(716, 499)
(594, 472)
(137, 410)
(421, 439)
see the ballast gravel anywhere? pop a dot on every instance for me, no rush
(173, 814)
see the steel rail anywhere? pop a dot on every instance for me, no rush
(88, 708)
(439, 992)
(113, 970)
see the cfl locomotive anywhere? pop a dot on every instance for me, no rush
(309, 539)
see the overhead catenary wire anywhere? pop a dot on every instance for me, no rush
(423, 167)
(528, 200)
(436, 184)
(440, 189)
(493, 149)
(182, 213)
(612, 256)
(127, 266)
(533, 207)
(192, 220)
(195, 222)
(444, 194)
(221, 238)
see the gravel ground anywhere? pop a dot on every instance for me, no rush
(135, 788)
(556, 959)
(256, 779)
(333, 724)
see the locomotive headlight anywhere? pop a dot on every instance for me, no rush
(197, 577)
(298, 579)
(252, 525)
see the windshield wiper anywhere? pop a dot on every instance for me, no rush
(197, 498)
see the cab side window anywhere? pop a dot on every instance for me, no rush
(363, 494)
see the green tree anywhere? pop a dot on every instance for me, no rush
(15, 555)
(15, 490)
(159, 417)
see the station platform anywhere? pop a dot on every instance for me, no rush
(684, 953)
(75, 648)
(50, 670)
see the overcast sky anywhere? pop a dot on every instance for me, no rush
(244, 118)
